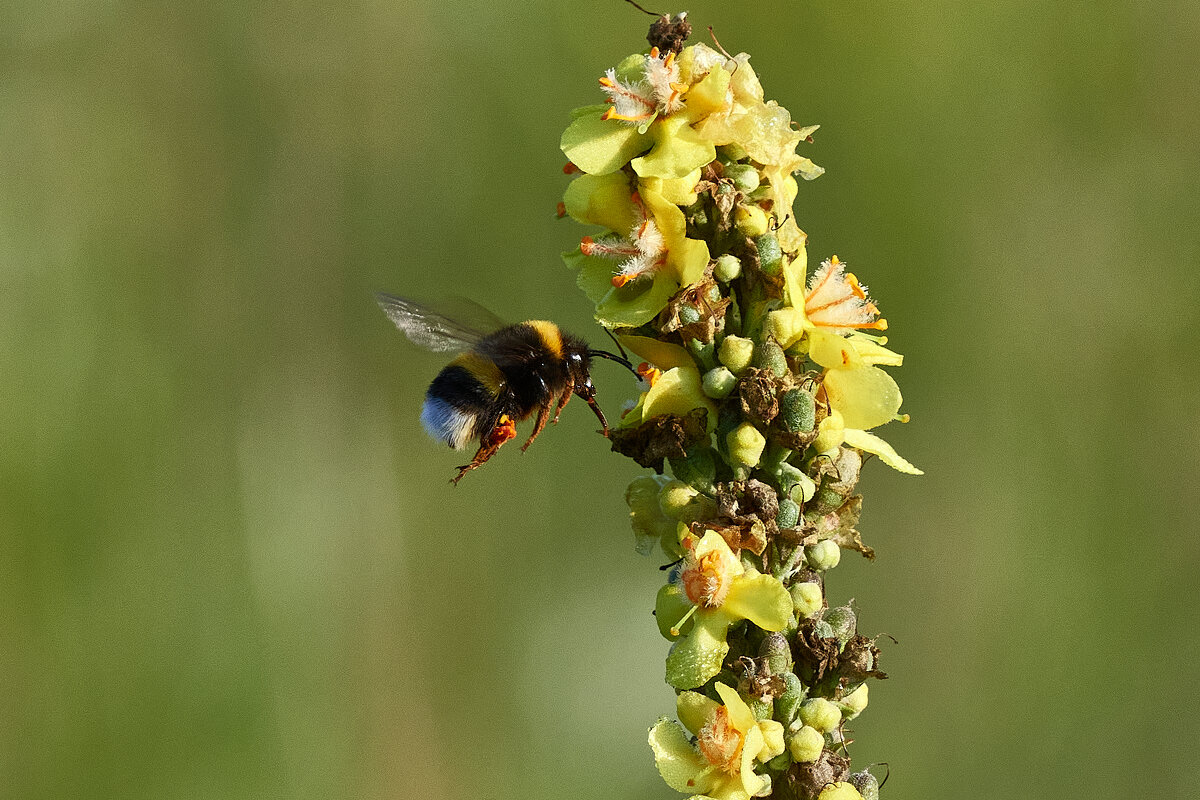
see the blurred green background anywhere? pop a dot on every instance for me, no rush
(231, 564)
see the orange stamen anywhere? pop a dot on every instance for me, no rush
(620, 280)
(561, 210)
(607, 82)
(648, 373)
(855, 287)
(654, 52)
(570, 169)
(587, 245)
(612, 114)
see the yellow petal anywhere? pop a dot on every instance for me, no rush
(739, 713)
(866, 397)
(870, 443)
(663, 355)
(602, 200)
(677, 391)
(695, 710)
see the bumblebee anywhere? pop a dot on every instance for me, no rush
(502, 375)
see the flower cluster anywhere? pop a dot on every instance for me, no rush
(764, 381)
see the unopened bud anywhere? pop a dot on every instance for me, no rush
(789, 514)
(854, 703)
(770, 256)
(866, 784)
(798, 410)
(831, 432)
(807, 599)
(806, 745)
(744, 177)
(819, 713)
(839, 791)
(745, 444)
(750, 221)
(674, 497)
(727, 268)
(769, 355)
(761, 708)
(735, 353)
(778, 653)
(718, 383)
(787, 705)
(842, 622)
(824, 555)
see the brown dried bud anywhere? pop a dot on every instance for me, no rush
(661, 437)
(669, 33)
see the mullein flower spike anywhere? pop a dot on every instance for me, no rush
(762, 384)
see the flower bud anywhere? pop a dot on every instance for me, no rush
(840, 791)
(806, 745)
(734, 151)
(761, 708)
(807, 598)
(789, 514)
(841, 620)
(735, 353)
(778, 653)
(831, 432)
(688, 314)
(769, 355)
(718, 383)
(787, 705)
(798, 410)
(674, 497)
(819, 713)
(727, 268)
(866, 784)
(770, 256)
(745, 444)
(750, 221)
(823, 555)
(743, 176)
(773, 742)
(853, 704)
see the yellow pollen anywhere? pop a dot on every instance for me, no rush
(607, 82)
(620, 280)
(612, 114)
(855, 286)
(648, 373)
(654, 52)
(670, 59)
(834, 261)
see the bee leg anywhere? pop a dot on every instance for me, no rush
(588, 393)
(505, 429)
(562, 401)
(543, 416)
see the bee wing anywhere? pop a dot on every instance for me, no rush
(454, 326)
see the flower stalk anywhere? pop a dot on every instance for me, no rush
(764, 379)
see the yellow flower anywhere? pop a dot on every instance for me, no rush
(729, 743)
(709, 591)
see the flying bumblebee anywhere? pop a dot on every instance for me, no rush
(502, 375)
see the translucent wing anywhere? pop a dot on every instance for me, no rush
(454, 325)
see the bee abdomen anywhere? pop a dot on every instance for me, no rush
(457, 405)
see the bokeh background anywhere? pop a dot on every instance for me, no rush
(230, 561)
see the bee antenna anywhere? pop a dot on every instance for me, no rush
(617, 342)
(624, 362)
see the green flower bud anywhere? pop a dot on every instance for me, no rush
(819, 713)
(807, 599)
(778, 653)
(780, 762)
(761, 708)
(805, 745)
(750, 221)
(787, 705)
(674, 497)
(866, 784)
(828, 500)
(839, 791)
(842, 622)
(735, 353)
(823, 555)
(744, 177)
(804, 489)
(689, 314)
(853, 704)
(727, 268)
(734, 151)
(798, 410)
(696, 469)
(770, 256)
(718, 383)
(769, 355)
(789, 514)
(745, 444)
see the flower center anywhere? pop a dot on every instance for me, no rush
(721, 743)
(836, 300)
(707, 579)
